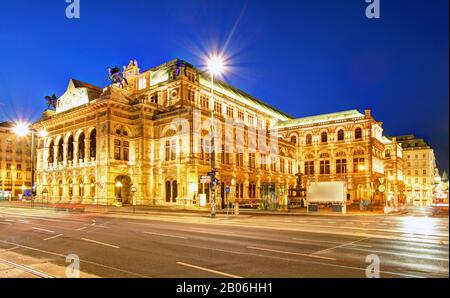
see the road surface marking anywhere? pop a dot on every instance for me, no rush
(82, 260)
(9, 249)
(406, 255)
(5, 223)
(9, 220)
(291, 253)
(26, 269)
(101, 243)
(331, 222)
(327, 241)
(209, 270)
(302, 261)
(165, 235)
(80, 229)
(43, 230)
(53, 237)
(338, 246)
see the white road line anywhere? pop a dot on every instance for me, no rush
(166, 235)
(5, 223)
(331, 222)
(291, 253)
(82, 260)
(80, 229)
(327, 241)
(342, 245)
(26, 269)
(43, 230)
(101, 243)
(406, 255)
(209, 270)
(53, 237)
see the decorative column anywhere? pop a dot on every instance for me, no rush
(65, 147)
(87, 147)
(75, 153)
(55, 155)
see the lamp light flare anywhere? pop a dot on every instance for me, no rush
(216, 65)
(21, 129)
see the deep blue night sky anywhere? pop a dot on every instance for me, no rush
(305, 57)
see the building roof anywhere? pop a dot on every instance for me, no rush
(161, 73)
(6, 124)
(411, 141)
(344, 115)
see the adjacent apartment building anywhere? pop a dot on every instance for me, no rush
(419, 169)
(15, 163)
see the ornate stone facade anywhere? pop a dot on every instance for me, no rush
(153, 135)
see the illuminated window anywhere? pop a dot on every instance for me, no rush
(341, 166)
(230, 112)
(340, 135)
(358, 133)
(309, 167)
(142, 83)
(308, 139)
(324, 137)
(117, 149)
(324, 167)
(126, 151)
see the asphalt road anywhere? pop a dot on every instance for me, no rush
(36, 243)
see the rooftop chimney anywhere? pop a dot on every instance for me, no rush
(368, 113)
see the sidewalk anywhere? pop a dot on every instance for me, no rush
(167, 210)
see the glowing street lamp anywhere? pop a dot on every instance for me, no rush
(216, 66)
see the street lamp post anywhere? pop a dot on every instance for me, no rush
(22, 130)
(215, 67)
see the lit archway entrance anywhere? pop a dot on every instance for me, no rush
(123, 189)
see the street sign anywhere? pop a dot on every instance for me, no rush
(227, 190)
(45, 190)
(381, 180)
(205, 179)
(215, 181)
(133, 188)
(212, 174)
(382, 188)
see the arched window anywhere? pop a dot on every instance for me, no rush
(174, 191)
(324, 137)
(60, 150)
(51, 152)
(388, 153)
(294, 140)
(168, 192)
(60, 188)
(340, 135)
(308, 139)
(358, 133)
(81, 147)
(92, 188)
(70, 184)
(93, 143)
(70, 154)
(80, 187)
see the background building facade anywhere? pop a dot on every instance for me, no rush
(419, 169)
(15, 163)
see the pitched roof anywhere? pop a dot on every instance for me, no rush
(349, 114)
(160, 74)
